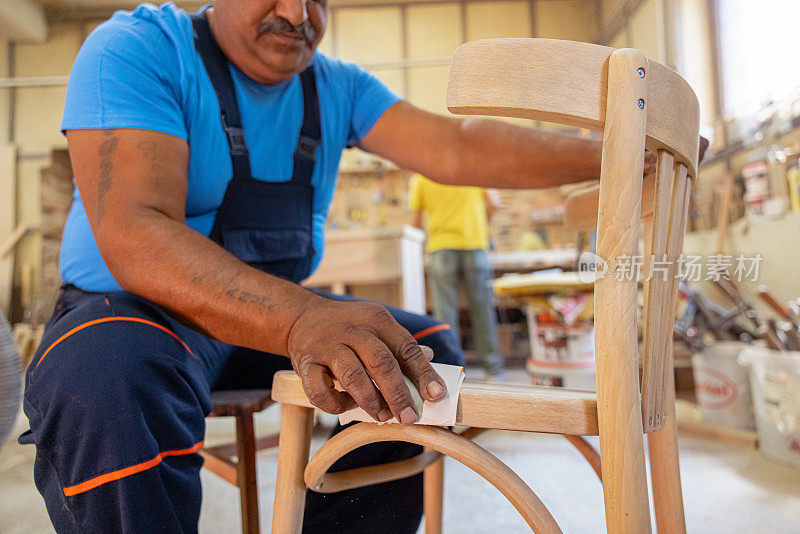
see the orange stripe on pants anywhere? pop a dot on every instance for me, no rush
(127, 471)
(431, 330)
(109, 319)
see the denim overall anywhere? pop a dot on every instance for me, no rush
(118, 390)
(265, 224)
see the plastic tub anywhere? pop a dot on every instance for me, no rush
(775, 383)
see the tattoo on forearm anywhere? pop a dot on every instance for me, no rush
(106, 150)
(262, 301)
(234, 293)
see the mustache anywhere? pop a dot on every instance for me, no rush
(280, 25)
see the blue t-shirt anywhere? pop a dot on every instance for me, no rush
(140, 69)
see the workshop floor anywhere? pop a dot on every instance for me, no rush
(726, 489)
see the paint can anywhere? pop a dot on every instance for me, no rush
(562, 355)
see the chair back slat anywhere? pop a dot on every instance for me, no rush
(659, 262)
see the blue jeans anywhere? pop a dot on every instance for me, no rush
(445, 268)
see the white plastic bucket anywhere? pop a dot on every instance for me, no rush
(775, 381)
(722, 385)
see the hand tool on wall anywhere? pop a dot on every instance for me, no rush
(779, 308)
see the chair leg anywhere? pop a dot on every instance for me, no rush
(433, 496)
(246, 468)
(619, 408)
(290, 487)
(665, 470)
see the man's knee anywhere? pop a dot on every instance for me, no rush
(115, 381)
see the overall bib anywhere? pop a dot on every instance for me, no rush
(265, 224)
(118, 390)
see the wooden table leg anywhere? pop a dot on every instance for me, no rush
(433, 492)
(290, 487)
(246, 467)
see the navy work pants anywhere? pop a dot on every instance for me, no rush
(117, 396)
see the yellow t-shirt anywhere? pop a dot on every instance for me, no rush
(456, 214)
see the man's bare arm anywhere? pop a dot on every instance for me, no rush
(482, 152)
(133, 184)
(493, 202)
(415, 219)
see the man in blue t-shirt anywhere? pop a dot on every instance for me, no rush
(205, 152)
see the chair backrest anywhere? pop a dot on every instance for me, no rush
(636, 103)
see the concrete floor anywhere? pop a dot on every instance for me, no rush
(726, 489)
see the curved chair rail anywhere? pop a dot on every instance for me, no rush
(566, 82)
(588, 452)
(447, 442)
(324, 482)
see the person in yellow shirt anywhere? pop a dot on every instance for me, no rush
(458, 241)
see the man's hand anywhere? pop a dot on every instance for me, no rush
(361, 346)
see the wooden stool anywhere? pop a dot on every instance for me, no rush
(236, 462)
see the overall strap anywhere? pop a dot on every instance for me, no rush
(305, 155)
(217, 67)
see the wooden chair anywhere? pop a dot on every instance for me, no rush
(637, 104)
(236, 462)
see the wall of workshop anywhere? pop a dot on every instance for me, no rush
(672, 32)
(409, 46)
(638, 24)
(5, 102)
(36, 121)
(774, 239)
(7, 182)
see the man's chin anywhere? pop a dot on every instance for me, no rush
(278, 72)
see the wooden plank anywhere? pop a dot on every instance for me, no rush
(8, 196)
(723, 218)
(10, 243)
(722, 434)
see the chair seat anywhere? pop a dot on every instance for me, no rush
(494, 405)
(230, 403)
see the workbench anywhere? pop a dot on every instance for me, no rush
(381, 264)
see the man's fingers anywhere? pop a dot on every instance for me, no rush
(385, 371)
(428, 352)
(414, 363)
(319, 389)
(353, 377)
